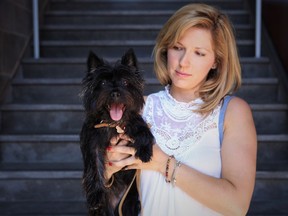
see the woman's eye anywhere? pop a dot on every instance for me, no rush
(177, 48)
(199, 53)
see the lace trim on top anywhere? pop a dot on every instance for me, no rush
(176, 109)
(174, 124)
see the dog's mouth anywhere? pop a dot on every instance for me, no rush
(116, 111)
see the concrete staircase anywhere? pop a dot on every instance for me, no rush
(40, 161)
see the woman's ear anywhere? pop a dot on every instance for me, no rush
(214, 66)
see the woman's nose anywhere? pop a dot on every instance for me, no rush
(185, 59)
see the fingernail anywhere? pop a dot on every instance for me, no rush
(109, 148)
(110, 163)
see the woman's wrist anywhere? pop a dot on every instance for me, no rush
(108, 183)
(168, 168)
(171, 167)
(108, 175)
(108, 178)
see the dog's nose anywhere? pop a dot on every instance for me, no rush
(115, 94)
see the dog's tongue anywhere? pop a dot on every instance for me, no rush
(116, 111)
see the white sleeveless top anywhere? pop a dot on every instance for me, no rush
(192, 139)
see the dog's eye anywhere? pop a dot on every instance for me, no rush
(124, 82)
(103, 82)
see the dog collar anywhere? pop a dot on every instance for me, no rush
(111, 125)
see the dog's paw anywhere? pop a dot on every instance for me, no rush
(145, 158)
(144, 154)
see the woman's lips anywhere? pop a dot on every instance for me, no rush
(182, 74)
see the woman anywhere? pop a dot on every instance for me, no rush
(203, 163)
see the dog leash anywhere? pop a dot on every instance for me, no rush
(125, 195)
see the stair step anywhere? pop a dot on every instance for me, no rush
(115, 48)
(270, 194)
(41, 166)
(116, 32)
(41, 119)
(41, 149)
(273, 207)
(272, 152)
(62, 152)
(135, 5)
(43, 208)
(63, 188)
(67, 119)
(258, 90)
(126, 16)
(58, 186)
(270, 118)
(271, 189)
(76, 67)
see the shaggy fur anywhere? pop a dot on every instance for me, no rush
(112, 95)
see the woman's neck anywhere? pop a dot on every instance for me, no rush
(183, 95)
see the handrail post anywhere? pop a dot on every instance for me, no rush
(36, 29)
(258, 29)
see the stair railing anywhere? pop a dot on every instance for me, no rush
(257, 29)
(36, 29)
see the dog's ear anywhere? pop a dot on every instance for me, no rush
(94, 61)
(129, 59)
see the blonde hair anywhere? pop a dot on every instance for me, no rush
(223, 80)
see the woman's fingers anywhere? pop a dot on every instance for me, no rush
(118, 154)
(121, 139)
(125, 155)
(115, 156)
(125, 162)
(115, 140)
(122, 150)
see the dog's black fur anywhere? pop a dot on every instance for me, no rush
(107, 88)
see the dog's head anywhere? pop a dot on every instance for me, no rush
(113, 91)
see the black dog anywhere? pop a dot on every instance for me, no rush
(113, 99)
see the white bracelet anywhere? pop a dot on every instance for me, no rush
(178, 164)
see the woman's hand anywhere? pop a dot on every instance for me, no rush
(126, 158)
(113, 156)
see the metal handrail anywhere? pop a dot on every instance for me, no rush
(36, 29)
(258, 28)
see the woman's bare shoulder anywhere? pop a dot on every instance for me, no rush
(239, 118)
(238, 107)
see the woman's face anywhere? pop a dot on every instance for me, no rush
(190, 59)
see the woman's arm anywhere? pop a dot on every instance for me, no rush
(229, 195)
